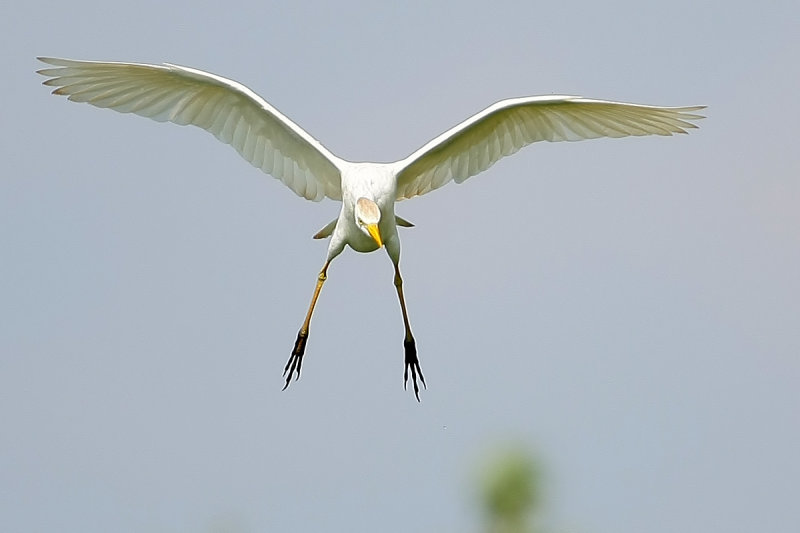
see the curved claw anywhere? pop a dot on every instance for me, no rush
(412, 362)
(295, 362)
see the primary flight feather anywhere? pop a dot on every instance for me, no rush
(368, 191)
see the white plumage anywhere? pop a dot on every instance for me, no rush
(368, 191)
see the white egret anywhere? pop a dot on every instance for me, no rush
(368, 191)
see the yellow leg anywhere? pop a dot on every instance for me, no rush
(296, 359)
(409, 344)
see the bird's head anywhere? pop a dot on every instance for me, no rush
(368, 214)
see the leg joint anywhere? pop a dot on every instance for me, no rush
(323, 274)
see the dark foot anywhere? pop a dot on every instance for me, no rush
(412, 362)
(296, 359)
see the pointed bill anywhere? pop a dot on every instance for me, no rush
(375, 233)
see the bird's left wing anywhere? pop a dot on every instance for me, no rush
(503, 128)
(232, 112)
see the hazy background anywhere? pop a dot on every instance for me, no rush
(627, 308)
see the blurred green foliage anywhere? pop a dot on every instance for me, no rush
(510, 492)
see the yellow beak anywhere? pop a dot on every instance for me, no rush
(375, 233)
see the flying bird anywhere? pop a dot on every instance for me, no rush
(367, 191)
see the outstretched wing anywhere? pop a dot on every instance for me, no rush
(232, 112)
(505, 127)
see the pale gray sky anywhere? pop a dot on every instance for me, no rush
(628, 308)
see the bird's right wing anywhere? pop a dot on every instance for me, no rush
(503, 128)
(232, 112)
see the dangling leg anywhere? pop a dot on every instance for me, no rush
(296, 359)
(409, 344)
